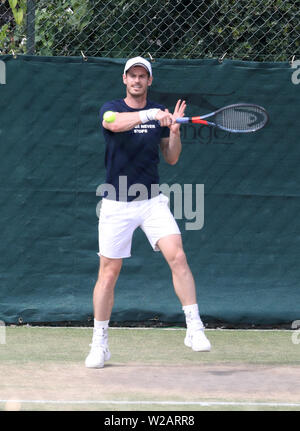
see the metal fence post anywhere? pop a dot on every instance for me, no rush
(30, 27)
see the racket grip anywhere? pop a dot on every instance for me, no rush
(183, 120)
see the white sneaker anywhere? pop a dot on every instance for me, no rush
(97, 356)
(99, 352)
(196, 339)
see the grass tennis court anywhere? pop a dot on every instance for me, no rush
(42, 368)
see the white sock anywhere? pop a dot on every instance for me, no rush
(101, 324)
(192, 317)
(100, 335)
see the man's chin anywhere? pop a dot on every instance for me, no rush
(137, 93)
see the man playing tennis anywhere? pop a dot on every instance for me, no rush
(132, 156)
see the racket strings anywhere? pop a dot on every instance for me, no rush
(241, 118)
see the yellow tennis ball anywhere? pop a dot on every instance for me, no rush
(109, 116)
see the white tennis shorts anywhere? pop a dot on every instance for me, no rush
(118, 221)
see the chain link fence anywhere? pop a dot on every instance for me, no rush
(258, 30)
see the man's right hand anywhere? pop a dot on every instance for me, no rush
(164, 117)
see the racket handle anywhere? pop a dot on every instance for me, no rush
(183, 120)
(195, 120)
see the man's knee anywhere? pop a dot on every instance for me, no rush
(109, 270)
(178, 261)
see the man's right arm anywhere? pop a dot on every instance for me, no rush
(124, 121)
(128, 120)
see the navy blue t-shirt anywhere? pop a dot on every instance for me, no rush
(132, 155)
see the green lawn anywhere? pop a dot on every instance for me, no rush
(46, 365)
(38, 344)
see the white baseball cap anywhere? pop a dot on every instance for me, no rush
(138, 61)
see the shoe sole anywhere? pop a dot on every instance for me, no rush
(94, 366)
(97, 366)
(106, 358)
(189, 344)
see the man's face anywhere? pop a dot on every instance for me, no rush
(137, 81)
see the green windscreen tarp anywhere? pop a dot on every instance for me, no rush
(245, 258)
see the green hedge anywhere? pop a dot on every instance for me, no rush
(247, 30)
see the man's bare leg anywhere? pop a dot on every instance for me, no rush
(184, 286)
(183, 280)
(103, 300)
(103, 296)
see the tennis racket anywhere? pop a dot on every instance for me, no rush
(238, 118)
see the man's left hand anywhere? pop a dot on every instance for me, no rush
(178, 112)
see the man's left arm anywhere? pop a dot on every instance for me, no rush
(171, 146)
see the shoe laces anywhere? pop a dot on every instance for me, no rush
(196, 325)
(100, 338)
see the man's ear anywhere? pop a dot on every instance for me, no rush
(150, 79)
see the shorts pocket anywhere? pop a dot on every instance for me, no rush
(163, 199)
